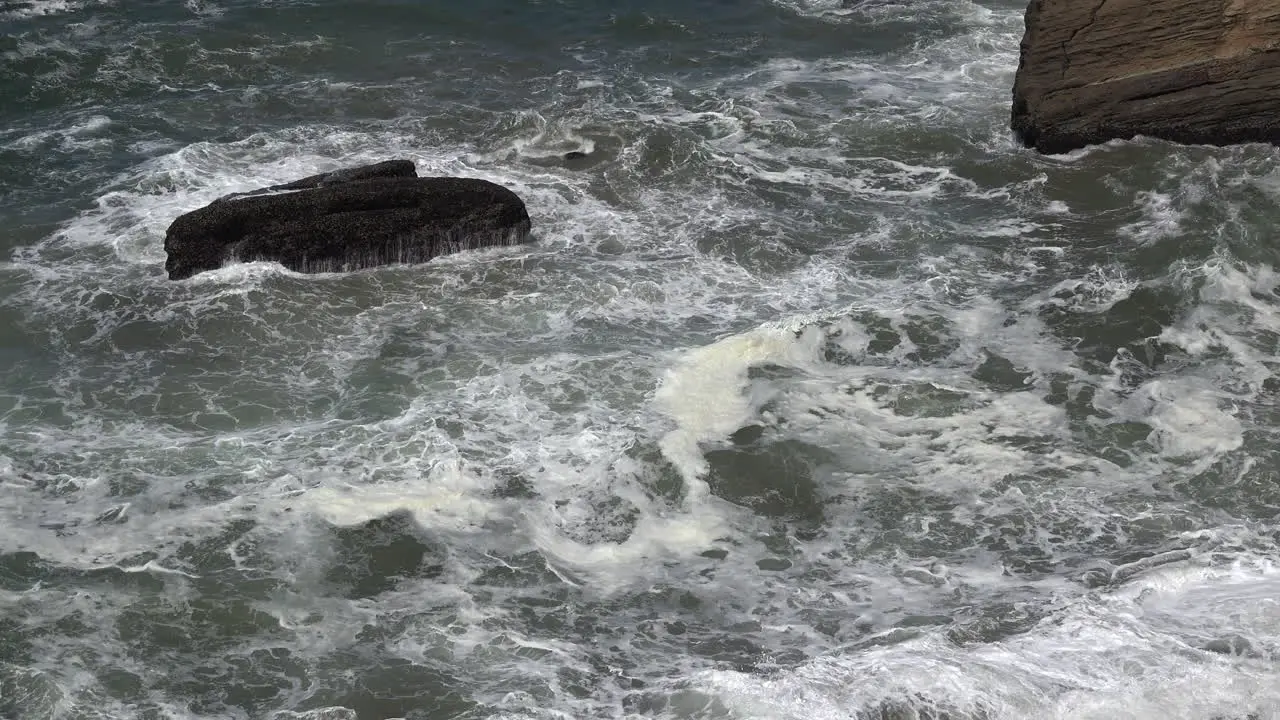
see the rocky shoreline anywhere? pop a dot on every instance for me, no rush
(1188, 71)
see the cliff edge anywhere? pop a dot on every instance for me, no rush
(1189, 71)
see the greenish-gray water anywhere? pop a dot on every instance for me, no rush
(816, 396)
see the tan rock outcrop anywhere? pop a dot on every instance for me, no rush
(1190, 71)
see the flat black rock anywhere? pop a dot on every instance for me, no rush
(347, 220)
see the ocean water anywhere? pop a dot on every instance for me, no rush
(815, 397)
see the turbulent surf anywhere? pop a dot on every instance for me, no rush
(815, 396)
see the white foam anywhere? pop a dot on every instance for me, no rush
(880, 11)
(1237, 308)
(79, 135)
(547, 139)
(447, 497)
(1187, 417)
(329, 713)
(704, 395)
(1161, 217)
(1096, 292)
(40, 8)
(203, 8)
(611, 567)
(1103, 657)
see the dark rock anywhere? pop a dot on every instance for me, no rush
(575, 155)
(774, 564)
(346, 220)
(386, 169)
(1189, 71)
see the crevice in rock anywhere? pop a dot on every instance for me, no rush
(1093, 17)
(1066, 45)
(1188, 71)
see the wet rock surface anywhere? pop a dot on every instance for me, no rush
(350, 219)
(1189, 71)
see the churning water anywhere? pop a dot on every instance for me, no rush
(816, 396)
